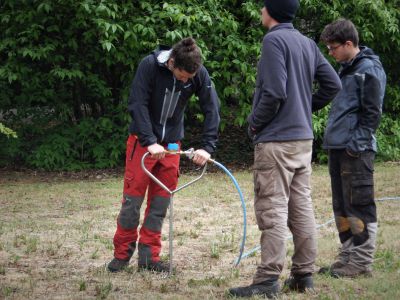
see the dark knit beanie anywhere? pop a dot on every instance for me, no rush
(282, 11)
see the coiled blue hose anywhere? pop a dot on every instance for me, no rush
(243, 208)
(255, 249)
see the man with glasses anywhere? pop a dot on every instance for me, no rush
(350, 140)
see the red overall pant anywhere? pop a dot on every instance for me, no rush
(136, 182)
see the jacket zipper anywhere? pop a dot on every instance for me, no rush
(170, 101)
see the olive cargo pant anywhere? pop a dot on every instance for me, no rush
(282, 172)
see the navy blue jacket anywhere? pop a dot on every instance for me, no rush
(284, 100)
(356, 111)
(158, 100)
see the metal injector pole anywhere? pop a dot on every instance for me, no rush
(174, 150)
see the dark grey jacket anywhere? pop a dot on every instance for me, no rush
(283, 100)
(158, 100)
(357, 109)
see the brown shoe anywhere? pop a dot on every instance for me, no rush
(327, 270)
(350, 270)
(337, 264)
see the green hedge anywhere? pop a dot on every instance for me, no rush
(66, 67)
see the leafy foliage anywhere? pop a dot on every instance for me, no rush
(7, 131)
(66, 68)
(81, 146)
(379, 29)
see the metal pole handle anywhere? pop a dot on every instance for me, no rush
(189, 154)
(156, 180)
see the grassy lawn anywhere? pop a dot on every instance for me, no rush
(56, 238)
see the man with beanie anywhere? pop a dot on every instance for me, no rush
(280, 126)
(350, 139)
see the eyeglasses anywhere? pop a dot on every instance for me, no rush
(333, 48)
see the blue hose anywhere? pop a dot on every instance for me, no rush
(243, 207)
(255, 249)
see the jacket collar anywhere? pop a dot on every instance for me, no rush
(365, 52)
(281, 26)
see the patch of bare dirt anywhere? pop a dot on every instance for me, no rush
(8, 175)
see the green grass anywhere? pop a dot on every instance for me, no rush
(56, 238)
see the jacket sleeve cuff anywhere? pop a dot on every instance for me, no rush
(208, 148)
(251, 127)
(147, 141)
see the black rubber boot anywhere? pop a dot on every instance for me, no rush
(299, 282)
(117, 265)
(269, 288)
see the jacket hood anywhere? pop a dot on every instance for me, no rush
(365, 52)
(162, 57)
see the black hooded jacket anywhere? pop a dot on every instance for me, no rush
(158, 100)
(356, 111)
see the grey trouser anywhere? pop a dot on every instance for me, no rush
(282, 172)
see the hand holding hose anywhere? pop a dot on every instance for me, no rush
(157, 151)
(201, 157)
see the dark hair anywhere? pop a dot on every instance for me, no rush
(340, 31)
(186, 55)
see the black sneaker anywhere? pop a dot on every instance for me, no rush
(299, 283)
(117, 265)
(159, 266)
(268, 288)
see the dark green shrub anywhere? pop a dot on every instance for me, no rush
(66, 68)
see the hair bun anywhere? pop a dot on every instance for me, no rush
(186, 55)
(189, 43)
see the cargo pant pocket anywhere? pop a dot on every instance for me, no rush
(362, 191)
(265, 218)
(264, 177)
(130, 165)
